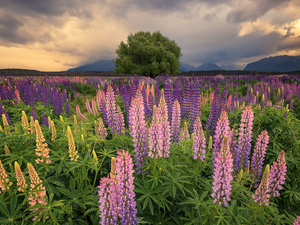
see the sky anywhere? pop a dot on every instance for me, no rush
(55, 35)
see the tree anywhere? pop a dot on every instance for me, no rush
(150, 55)
(254, 72)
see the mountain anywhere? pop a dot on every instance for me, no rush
(101, 65)
(282, 63)
(209, 66)
(186, 67)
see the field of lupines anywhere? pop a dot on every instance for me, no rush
(198, 150)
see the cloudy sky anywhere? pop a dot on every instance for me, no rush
(55, 35)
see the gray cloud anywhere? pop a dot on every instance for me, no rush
(251, 10)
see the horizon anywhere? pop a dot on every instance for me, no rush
(71, 34)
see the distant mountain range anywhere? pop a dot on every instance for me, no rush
(282, 63)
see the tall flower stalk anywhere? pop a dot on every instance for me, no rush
(199, 140)
(42, 150)
(176, 118)
(73, 153)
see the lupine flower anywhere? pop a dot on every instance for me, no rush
(184, 133)
(45, 120)
(119, 121)
(222, 130)
(155, 136)
(297, 222)
(137, 126)
(108, 201)
(49, 122)
(94, 107)
(73, 153)
(6, 149)
(176, 118)
(25, 122)
(213, 114)
(37, 193)
(113, 172)
(277, 173)
(53, 130)
(33, 114)
(162, 106)
(259, 156)
(79, 113)
(199, 140)
(166, 135)
(110, 107)
(125, 193)
(222, 174)
(242, 151)
(41, 149)
(20, 178)
(88, 107)
(32, 127)
(102, 129)
(262, 192)
(4, 181)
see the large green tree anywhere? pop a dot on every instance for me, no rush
(150, 55)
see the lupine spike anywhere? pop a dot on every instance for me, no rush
(41, 149)
(262, 192)
(6, 149)
(199, 142)
(21, 182)
(53, 130)
(73, 153)
(4, 181)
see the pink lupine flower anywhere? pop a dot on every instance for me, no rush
(297, 222)
(119, 121)
(222, 130)
(108, 201)
(102, 129)
(162, 105)
(222, 174)
(242, 152)
(277, 173)
(166, 135)
(259, 156)
(176, 118)
(155, 136)
(88, 107)
(94, 107)
(79, 113)
(199, 140)
(262, 192)
(110, 107)
(137, 126)
(125, 187)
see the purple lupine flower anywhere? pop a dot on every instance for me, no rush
(213, 114)
(68, 109)
(262, 192)
(222, 174)
(125, 194)
(292, 104)
(277, 173)
(297, 221)
(155, 136)
(166, 135)
(137, 126)
(108, 201)
(222, 130)
(33, 114)
(199, 140)
(242, 152)
(3, 111)
(150, 103)
(119, 121)
(45, 120)
(196, 102)
(175, 129)
(168, 97)
(259, 156)
(110, 107)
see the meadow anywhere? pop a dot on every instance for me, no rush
(180, 150)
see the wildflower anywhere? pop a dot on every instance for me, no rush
(110, 107)
(94, 107)
(222, 174)
(88, 107)
(6, 149)
(79, 113)
(243, 148)
(137, 126)
(4, 181)
(25, 122)
(73, 153)
(119, 121)
(199, 140)
(262, 192)
(166, 135)
(259, 156)
(5, 123)
(184, 133)
(37, 191)
(32, 128)
(155, 136)
(113, 172)
(175, 128)
(41, 149)
(102, 129)
(277, 173)
(297, 222)
(53, 130)
(125, 193)
(162, 106)
(20, 178)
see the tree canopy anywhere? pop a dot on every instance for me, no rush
(150, 55)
